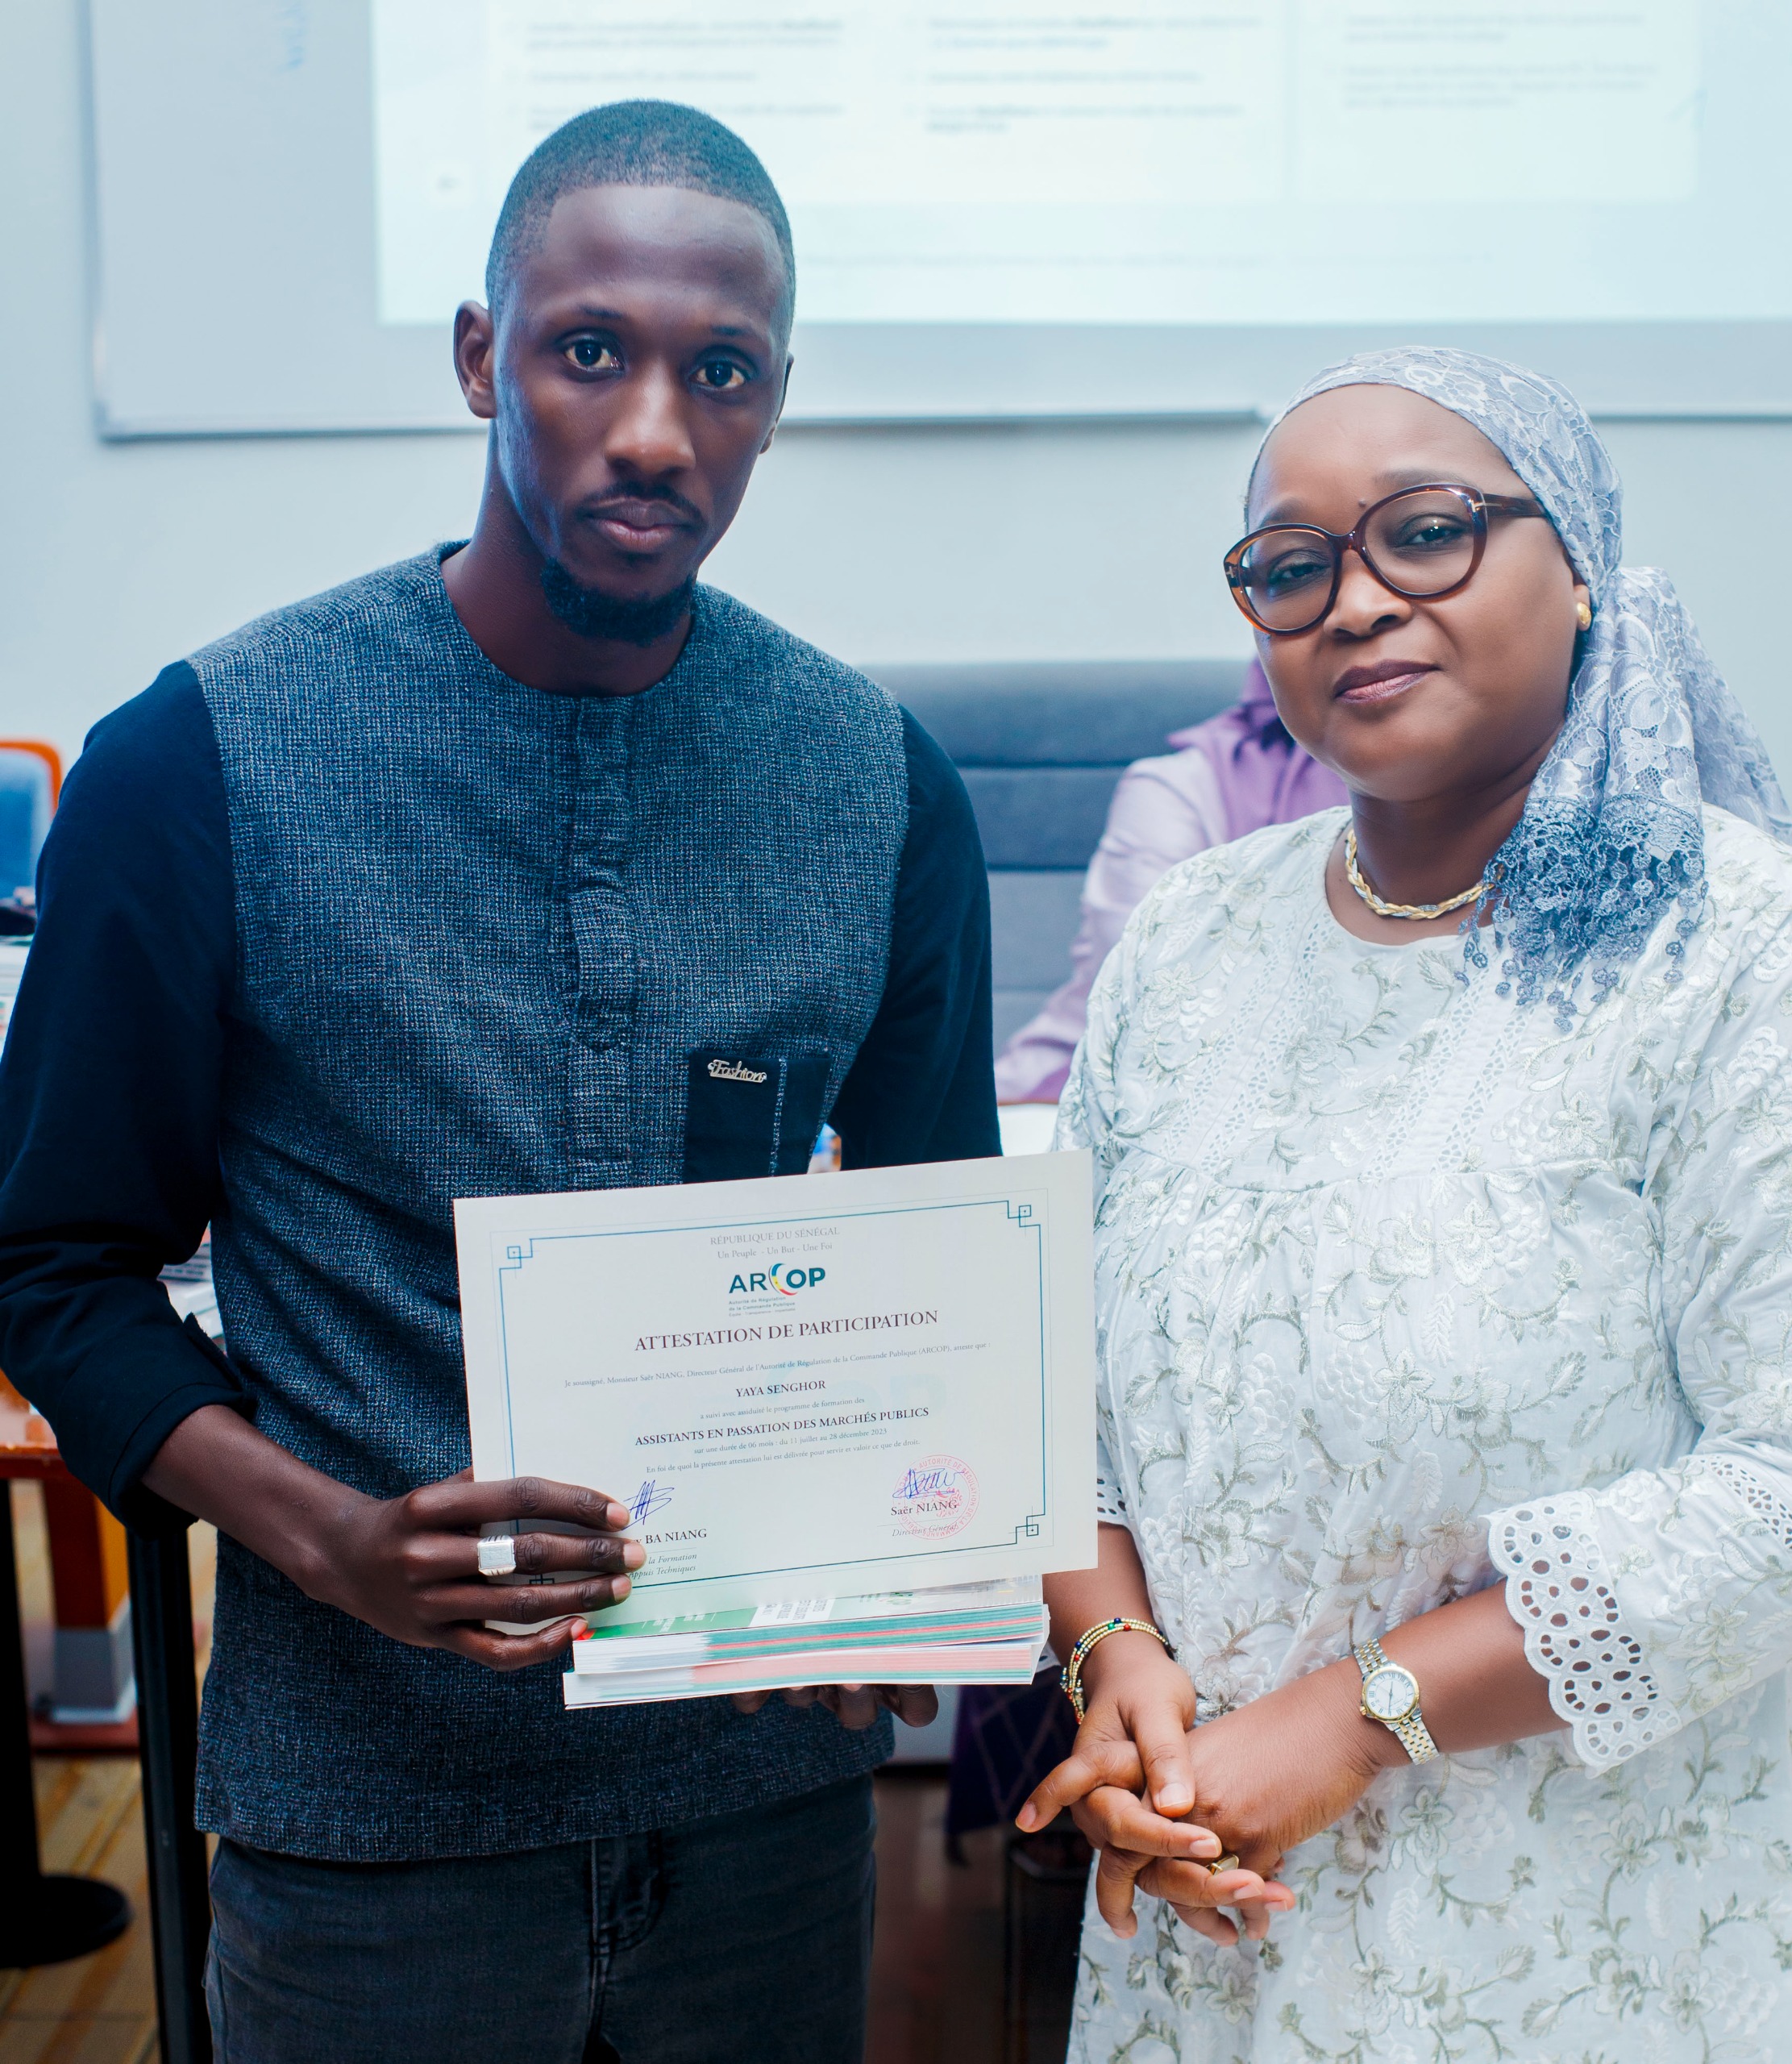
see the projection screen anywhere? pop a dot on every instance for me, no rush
(1012, 208)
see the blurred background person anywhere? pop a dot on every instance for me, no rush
(1232, 775)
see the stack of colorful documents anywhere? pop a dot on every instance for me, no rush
(972, 1633)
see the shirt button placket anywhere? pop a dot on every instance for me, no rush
(603, 942)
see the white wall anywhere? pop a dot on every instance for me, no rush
(1000, 542)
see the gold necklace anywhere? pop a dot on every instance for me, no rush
(1354, 874)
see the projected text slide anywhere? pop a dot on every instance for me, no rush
(1274, 162)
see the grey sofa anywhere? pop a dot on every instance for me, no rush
(1041, 747)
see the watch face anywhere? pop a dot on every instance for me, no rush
(1390, 1692)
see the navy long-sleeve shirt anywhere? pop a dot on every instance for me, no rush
(341, 923)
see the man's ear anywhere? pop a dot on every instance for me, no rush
(475, 355)
(783, 396)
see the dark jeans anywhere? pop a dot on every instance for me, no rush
(746, 1938)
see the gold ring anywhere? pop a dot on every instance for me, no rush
(1228, 1861)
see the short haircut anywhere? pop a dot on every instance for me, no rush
(632, 143)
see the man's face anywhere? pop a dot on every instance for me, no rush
(636, 374)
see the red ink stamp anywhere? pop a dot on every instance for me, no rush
(935, 1497)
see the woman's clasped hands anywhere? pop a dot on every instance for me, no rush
(1161, 1800)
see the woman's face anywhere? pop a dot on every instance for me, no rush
(1413, 700)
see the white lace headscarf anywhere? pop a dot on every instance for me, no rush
(1611, 835)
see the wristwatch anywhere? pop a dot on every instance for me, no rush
(1391, 1695)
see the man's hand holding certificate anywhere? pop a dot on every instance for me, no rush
(849, 1414)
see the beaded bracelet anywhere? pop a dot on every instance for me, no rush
(1071, 1678)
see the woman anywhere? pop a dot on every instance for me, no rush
(1444, 1152)
(1233, 774)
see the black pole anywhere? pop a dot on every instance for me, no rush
(168, 1733)
(47, 1920)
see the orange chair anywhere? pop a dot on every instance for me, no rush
(48, 753)
(31, 783)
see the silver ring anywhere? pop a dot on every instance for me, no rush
(497, 1555)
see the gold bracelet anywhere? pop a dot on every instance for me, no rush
(1071, 1678)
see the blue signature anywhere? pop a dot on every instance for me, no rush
(649, 1500)
(928, 1484)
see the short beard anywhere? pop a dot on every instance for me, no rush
(591, 613)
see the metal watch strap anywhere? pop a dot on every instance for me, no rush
(1415, 1737)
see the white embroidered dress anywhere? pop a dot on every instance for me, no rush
(1399, 1289)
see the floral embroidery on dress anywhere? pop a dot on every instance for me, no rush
(1395, 1280)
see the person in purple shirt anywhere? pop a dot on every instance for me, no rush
(1236, 773)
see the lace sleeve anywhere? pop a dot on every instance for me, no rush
(1575, 1635)
(1651, 1601)
(1086, 1107)
(1110, 1493)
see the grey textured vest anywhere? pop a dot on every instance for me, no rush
(481, 931)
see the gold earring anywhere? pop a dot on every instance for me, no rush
(1583, 615)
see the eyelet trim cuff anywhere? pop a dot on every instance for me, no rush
(1575, 1635)
(1761, 1499)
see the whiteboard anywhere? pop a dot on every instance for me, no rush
(1019, 210)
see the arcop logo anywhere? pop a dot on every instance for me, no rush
(780, 1277)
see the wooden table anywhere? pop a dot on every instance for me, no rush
(48, 1918)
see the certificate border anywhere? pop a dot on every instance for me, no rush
(517, 1250)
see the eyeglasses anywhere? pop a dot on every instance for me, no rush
(1420, 544)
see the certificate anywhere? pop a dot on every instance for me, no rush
(803, 1386)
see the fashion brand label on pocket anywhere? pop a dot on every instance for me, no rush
(721, 1071)
(751, 1114)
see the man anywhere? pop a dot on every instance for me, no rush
(452, 882)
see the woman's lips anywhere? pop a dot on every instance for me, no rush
(1363, 684)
